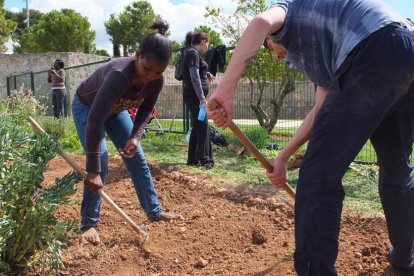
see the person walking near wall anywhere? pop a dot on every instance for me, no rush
(360, 54)
(56, 76)
(100, 106)
(196, 79)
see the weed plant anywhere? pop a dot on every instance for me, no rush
(31, 238)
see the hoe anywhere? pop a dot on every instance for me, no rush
(140, 230)
(253, 150)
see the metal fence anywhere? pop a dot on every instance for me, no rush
(172, 114)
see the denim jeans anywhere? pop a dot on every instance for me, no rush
(58, 102)
(373, 98)
(118, 127)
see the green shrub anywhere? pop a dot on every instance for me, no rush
(257, 135)
(30, 235)
(21, 104)
(53, 127)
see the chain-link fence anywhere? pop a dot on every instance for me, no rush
(173, 116)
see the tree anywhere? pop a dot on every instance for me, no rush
(231, 26)
(7, 26)
(59, 31)
(215, 39)
(263, 70)
(102, 52)
(20, 19)
(129, 28)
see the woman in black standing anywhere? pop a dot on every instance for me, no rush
(196, 79)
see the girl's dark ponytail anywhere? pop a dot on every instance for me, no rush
(156, 45)
(161, 25)
(189, 39)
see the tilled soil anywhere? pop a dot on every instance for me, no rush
(226, 230)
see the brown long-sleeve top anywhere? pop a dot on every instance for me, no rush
(109, 90)
(58, 79)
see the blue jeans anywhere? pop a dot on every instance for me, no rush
(118, 127)
(373, 98)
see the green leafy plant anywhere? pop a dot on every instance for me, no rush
(30, 235)
(257, 135)
(20, 104)
(53, 127)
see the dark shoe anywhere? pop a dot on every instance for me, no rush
(208, 166)
(398, 271)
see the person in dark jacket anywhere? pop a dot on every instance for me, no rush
(360, 54)
(216, 59)
(100, 106)
(196, 79)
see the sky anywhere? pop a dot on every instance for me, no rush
(182, 15)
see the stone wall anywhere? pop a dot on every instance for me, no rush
(170, 104)
(39, 63)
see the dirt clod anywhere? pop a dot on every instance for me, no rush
(258, 236)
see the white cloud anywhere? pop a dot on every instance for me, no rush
(182, 17)
(14, 9)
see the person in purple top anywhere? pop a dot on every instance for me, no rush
(360, 55)
(100, 106)
(195, 89)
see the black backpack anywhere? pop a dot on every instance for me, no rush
(216, 137)
(178, 73)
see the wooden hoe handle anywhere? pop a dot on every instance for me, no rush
(252, 148)
(78, 169)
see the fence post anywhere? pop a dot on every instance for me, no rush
(68, 99)
(15, 82)
(8, 86)
(32, 82)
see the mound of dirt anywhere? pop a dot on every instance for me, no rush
(226, 230)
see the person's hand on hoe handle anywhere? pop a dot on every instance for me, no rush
(93, 181)
(279, 175)
(130, 148)
(223, 114)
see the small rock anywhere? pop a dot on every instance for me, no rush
(249, 250)
(201, 263)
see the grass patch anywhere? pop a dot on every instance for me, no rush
(360, 181)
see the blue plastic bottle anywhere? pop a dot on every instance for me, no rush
(202, 113)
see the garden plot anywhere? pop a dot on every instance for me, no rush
(227, 230)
